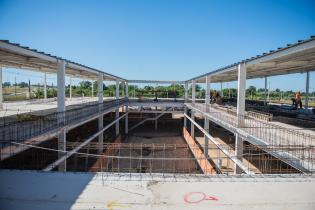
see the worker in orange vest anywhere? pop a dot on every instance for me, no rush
(298, 99)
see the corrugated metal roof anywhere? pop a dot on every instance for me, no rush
(299, 42)
(58, 58)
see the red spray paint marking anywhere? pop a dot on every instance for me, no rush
(197, 197)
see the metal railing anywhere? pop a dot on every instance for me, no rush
(155, 158)
(36, 125)
(265, 133)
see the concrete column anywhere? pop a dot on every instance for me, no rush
(186, 92)
(193, 91)
(241, 88)
(92, 94)
(238, 152)
(221, 91)
(1, 92)
(70, 88)
(307, 88)
(45, 85)
(61, 108)
(265, 99)
(101, 118)
(126, 109)
(185, 119)
(192, 126)
(206, 122)
(117, 110)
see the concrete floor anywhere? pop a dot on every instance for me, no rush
(53, 190)
(46, 106)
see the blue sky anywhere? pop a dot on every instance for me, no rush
(162, 40)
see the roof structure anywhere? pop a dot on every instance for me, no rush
(17, 56)
(294, 58)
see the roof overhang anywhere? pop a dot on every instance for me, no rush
(296, 58)
(16, 56)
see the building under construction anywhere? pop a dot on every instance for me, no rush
(128, 152)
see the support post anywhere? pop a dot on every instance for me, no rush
(307, 88)
(126, 109)
(70, 88)
(185, 119)
(193, 91)
(1, 91)
(186, 92)
(45, 86)
(101, 118)
(117, 110)
(61, 108)
(265, 99)
(92, 91)
(206, 122)
(192, 126)
(221, 91)
(240, 111)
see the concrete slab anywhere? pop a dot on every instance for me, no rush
(55, 190)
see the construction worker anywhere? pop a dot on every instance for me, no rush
(298, 99)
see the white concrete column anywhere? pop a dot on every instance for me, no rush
(45, 85)
(221, 91)
(70, 88)
(186, 92)
(185, 119)
(241, 88)
(101, 118)
(193, 91)
(186, 100)
(307, 88)
(1, 91)
(192, 125)
(92, 94)
(117, 110)
(61, 108)
(265, 99)
(126, 109)
(206, 120)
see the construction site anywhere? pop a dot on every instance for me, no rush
(134, 151)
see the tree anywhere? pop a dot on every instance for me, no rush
(23, 84)
(6, 84)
